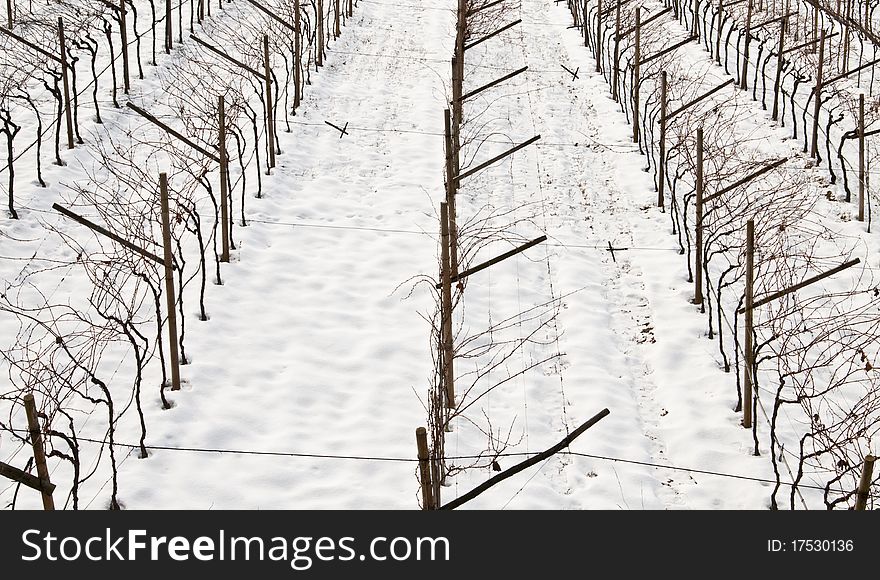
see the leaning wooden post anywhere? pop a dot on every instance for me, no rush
(319, 55)
(123, 33)
(718, 35)
(446, 306)
(745, 58)
(616, 71)
(814, 145)
(297, 57)
(865, 483)
(270, 113)
(661, 169)
(776, 86)
(698, 242)
(224, 172)
(748, 356)
(862, 157)
(451, 190)
(68, 112)
(599, 36)
(637, 73)
(169, 33)
(169, 284)
(39, 451)
(424, 469)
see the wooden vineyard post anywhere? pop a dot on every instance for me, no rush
(123, 33)
(169, 284)
(776, 86)
(270, 114)
(350, 8)
(446, 308)
(36, 436)
(815, 4)
(224, 186)
(9, 14)
(424, 469)
(169, 33)
(319, 55)
(457, 111)
(865, 483)
(748, 354)
(698, 242)
(586, 24)
(68, 112)
(297, 57)
(616, 70)
(336, 30)
(862, 157)
(814, 142)
(745, 58)
(718, 32)
(637, 73)
(599, 36)
(451, 190)
(661, 169)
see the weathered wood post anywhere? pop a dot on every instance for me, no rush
(224, 186)
(748, 350)
(814, 145)
(319, 55)
(169, 33)
(661, 168)
(616, 71)
(862, 157)
(865, 483)
(297, 59)
(637, 73)
(336, 30)
(745, 58)
(36, 437)
(123, 33)
(446, 306)
(776, 86)
(698, 242)
(424, 469)
(65, 79)
(451, 190)
(170, 299)
(270, 113)
(718, 35)
(599, 36)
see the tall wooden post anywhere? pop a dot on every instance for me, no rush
(270, 113)
(224, 186)
(616, 71)
(637, 74)
(169, 33)
(65, 80)
(748, 350)
(865, 483)
(9, 14)
(336, 29)
(745, 58)
(814, 145)
(424, 469)
(123, 33)
(599, 36)
(698, 242)
(319, 56)
(861, 157)
(170, 298)
(457, 111)
(451, 190)
(446, 305)
(36, 436)
(297, 59)
(776, 87)
(350, 8)
(661, 168)
(718, 35)
(815, 23)
(586, 23)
